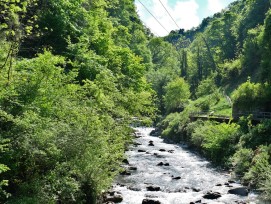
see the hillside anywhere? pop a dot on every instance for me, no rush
(72, 76)
(226, 64)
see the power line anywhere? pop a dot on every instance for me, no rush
(153, 16)
(169, 14)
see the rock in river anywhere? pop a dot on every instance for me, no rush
(242, 191)
(113, 196)
(153, 188)
(212, 195)
(148, 201)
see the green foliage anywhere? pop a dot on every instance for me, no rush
(177, 95)
(216, 140)
(206, 87)
(171, 125)
(260, 167)
(241, 160)
(67, 116)
(258, 135)
(266, 43)
(231, 70)
(266, 186)
(257, 94)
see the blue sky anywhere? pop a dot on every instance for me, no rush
(187, 13)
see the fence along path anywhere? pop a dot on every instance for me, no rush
(210, 115)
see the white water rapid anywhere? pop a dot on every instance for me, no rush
(171, 174)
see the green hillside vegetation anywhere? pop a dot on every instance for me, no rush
(75, 73)
(72, 75)
(226, 62)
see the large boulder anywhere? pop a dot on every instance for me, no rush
(242, 191)
(155, 132)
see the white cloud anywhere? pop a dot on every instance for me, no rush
(184, 13)
(215, 6)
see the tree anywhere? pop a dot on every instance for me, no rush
(176, 95)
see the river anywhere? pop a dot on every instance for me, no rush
(172, 174)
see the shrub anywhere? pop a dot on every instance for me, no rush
(260, 165)
(217, 140)
(177, 95)
(241, 161)
(258, 135)
(206, 87)
(266, 186)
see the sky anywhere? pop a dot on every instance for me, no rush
(186, 13)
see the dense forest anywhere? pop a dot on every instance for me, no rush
(225, 66)
(74, 74)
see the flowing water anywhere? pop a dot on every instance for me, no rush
(183, 176)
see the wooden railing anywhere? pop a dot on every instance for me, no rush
(255, 115)
(209, 115)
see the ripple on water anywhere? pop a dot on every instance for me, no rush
(195, 175)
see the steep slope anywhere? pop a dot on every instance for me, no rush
(72, 77)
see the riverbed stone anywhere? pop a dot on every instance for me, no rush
(151, 143)
(212, 195)
(132, 168)
(198, 201)
(162, 150)
(242, 191)
(153, 188)
(132, 188)
(113, 196)
(149, 201)
(125, 161)
(141, 150)
(176, 178)
(136, 144)
(154, 132)
(196, 189)
(125, 173)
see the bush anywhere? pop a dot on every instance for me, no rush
(216, 140)
(241, 161)
(260, 165)
(258, 135)
(177, 95)
(257, 94)
(206, 87)
(266, 186)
